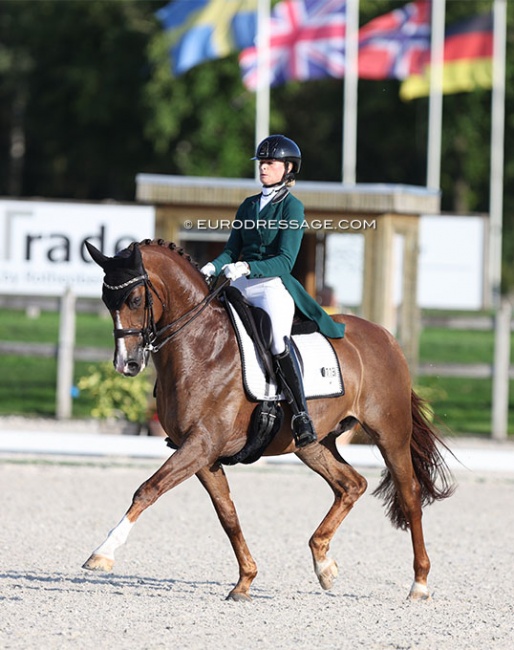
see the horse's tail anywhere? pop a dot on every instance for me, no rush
(432, 472)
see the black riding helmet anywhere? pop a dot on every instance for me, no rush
(278, 147)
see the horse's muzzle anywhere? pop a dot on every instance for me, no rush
(130, 364)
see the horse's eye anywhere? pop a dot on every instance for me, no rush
(134, 302)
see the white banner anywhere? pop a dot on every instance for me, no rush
(42, 248)
(450, 264)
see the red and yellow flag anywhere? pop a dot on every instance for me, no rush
(467, 63)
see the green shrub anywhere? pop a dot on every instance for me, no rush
(114, 395)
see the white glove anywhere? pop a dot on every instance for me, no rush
(208, 270)
(234, 271)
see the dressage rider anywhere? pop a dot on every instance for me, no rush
(259, 257)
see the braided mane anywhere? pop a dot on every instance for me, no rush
(171, 245)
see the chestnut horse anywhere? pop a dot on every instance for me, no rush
(161, 304)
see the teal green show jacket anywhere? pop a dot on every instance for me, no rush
(269, 241)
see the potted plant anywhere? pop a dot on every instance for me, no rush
(117, 397)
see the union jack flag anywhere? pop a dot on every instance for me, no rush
(394, 46)
(306, 42)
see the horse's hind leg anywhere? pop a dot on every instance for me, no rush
(403, 501)
(348, 485)
(215, 482)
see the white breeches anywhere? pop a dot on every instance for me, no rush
(271, 295)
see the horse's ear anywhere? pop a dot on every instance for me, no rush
(97, 255)
(136, 257)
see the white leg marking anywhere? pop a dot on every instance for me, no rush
(116, 538)
(419, 590)
(326, 572)
(319, 567)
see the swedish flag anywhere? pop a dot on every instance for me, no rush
(202, 30)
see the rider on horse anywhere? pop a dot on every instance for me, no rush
(259, 257)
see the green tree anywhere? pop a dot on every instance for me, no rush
(82, 67)
(202, 121)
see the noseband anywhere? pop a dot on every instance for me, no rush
(149, 332)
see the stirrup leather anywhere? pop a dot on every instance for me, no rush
(292, 385)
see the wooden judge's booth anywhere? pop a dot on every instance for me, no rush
(197, 213)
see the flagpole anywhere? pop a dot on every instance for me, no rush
(262, 99)
(497, 148)
(435, 101)
(500, 390)
(351, 80)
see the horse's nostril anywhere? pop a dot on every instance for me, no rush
(133, 367)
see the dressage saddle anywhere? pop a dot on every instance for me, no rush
(257, 323)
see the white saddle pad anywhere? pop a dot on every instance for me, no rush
(322, 374)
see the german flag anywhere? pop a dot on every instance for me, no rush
(468, 56)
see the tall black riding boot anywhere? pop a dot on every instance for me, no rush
(292, 385)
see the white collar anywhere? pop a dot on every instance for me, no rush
(273, 189)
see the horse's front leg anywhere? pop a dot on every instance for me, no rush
(215, 482)
(183, 464)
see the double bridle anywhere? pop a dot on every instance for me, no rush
(149, 332)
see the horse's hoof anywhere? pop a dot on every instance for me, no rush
(327, 572)
(419, 592)
(238, 597)
(98, 563)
